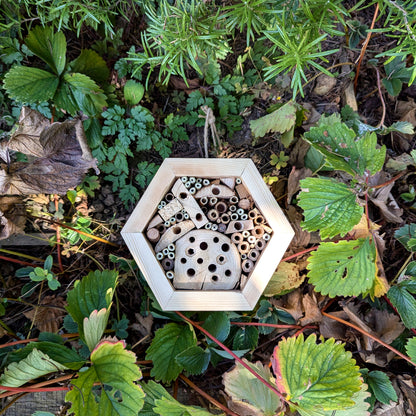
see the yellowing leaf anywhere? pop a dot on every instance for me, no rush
(94, 326)
(361, 230)
(285, 278)
(115, 370)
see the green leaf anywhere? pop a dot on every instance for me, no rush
(405, 304)
(411, 348)
(245, 337)
(48, 46)
(329, 206)
(94, 327)
(243, 386)
(218, 325)
(171, 407)
(57, 352)
(393, 86)
(279, 121)
(168, 342)
(380, 384)
(91, 64)
(115, 369)
(133, 92)
(94, 292)
(346, 268)
(343, 150)
(407, 236)
(316, 376)
(194, 360)
(152, 391)
(284, 279)
(30, 84)
(35, 365)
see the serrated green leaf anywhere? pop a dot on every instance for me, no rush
(242, 385)
(316, 376)
(405, 304)
(152, 391)
(346, 268)
(57, 352)
(411, 348)
(36, 364)
(94, 327)
(91, 64)
(48, 46)
(279, 121)
(245, 337)
(133, 92)
(168, 342)
(380, 384)
(218, 325)
(194, 360)
(171, 407)
(343, 150)
(407, 235)
(94, 292)
(328, 206)
(30, 84)
(115, 369)
(393, 86)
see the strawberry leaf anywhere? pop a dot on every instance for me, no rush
(346, 268)
(402, 299)
(329, 206)
(115, 371)
(317, 377)
(194, 360)
(380, 384)
(168, 342)
(411, 348)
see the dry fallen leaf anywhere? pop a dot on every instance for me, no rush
(311, 310)
(12, 216)
(285, 278)
(291, 303)
(293, 185)
(143, 324)
(62, 157)
(324, 84)
(302, 238)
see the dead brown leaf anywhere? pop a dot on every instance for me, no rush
(143, 324)
(12, 216)
(179, 84)
(293, 185)
(329, 328)
(48, 319)
(302, 238)
(285, 278)
(291, 303)
(62, 158)
(324, 84)
(311, 310)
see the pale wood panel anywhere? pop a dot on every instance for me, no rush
(207, 301)
(152, 270)
(208, 168)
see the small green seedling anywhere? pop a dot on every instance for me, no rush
(39, 274)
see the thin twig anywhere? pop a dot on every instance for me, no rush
(383, 104)
(21, 262)
(367, 334)
(207, 396)
(58, 236)
(364, 48)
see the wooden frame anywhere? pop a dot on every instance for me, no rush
(194, 300)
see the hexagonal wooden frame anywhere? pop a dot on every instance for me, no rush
(199, 300)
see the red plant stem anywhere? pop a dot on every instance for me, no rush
(357, 328)
(58, 236)
(32, 389)
(26, 341)
(293, 256)
(395, 310)
(364, 48)
(23, 263)
(239, 360)
(366, 207)
(299, 331)
(381, 124)
(207, 396)
(269, 325)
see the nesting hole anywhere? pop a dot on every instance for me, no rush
(190, 272)
(228, 273)
(177, 230)
(215, 191)
(203, 245)
(216, 240)
(183, 260)
(225, 247)
(198, 216)
(238, 226)
(191, 239)
(183, 195)
(200, 260)
(212, 268)
(214, 278)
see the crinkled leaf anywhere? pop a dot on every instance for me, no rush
(404, 302)
(241, 385)
(48, 46)
(284, 279)
(94, 326)
(36, 364)
(115, 369)
(343, 150)
(411, 348)
(152, 391)
(279, 121)
(133, 92)
(194, 360)
(91, 64)
(171, 407)
(328, 206)
(380, 384)
(407, 236)
(245, 337)
(403, 127)
(218, 325)
(346, 268)
(316, 376)
(93, 292)
(57, 352)
(168, 342)
(30, 84)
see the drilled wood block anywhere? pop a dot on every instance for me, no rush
(170, 209)
(216, 275)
